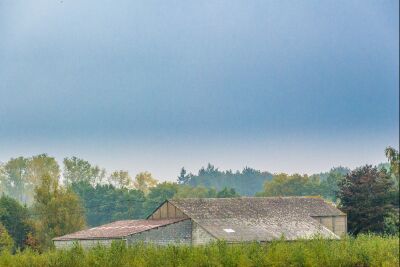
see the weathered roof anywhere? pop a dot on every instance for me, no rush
(259, 218)
(245, 207)
(118, 229)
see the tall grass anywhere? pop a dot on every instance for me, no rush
(365, 250)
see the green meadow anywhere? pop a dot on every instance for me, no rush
(363, 250)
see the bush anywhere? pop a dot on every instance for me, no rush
(364, 250)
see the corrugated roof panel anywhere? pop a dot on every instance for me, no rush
(118, 229)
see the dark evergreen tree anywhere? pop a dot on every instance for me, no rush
(363, 195)
(183, 178)
(15, 219)
(227, 192)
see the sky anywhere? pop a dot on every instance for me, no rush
(282, 86)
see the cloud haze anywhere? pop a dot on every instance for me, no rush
(277, 85)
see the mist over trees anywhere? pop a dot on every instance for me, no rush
(38, 202)
(323, 184)
(246, 182)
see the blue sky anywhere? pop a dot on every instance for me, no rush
(295, 86)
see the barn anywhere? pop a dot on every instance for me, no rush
(201, 221)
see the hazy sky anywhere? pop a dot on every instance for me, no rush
(294, 86)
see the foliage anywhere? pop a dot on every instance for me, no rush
(365, 250)
(227, 192)
(158, 195)
(14, 178)
(391, 223)
(394, 159)
(187, 191)
(120, 179)
(15, 219)
(292, 185)
(246, 183)
(105, 203)
(57, 209)
(363, 196)
(323, 184)
(20, 176)
(79, 170)
(6, 241)
(144, 181)
(183, 177)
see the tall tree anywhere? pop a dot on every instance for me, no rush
(227, 192)
(144, 181)
(120, 179)
(183, 177)
(79, 170)
(3, 178)
(15, 180)
(330, 182)
(363, 196)
(6, 242)
(105, 203)
(187, 191)
(57, 209)
(39, 166)
(246, 182)
(292, 185)
(15, 219)
(394, 160)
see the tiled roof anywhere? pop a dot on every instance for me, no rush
(245, 207)
(118, 229)
(259, 218)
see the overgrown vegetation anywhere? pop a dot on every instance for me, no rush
(365, 250)
(39, 202)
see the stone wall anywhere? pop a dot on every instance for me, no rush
(200, 236)
(337, 224)
(66, 244)
(176, 233)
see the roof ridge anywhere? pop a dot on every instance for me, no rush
(246, 197)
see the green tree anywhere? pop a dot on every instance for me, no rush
(14, 179)
(144, 181)
(187, 191)
(6, 242)
(120, 179)
(227, 192)
(392, 223)
(183, 177)
(58, 211)
(15, 219)
(158, 195)
(363, 196)
(394, 160)
(330, 182)
(37, 167)
(79, 170)
(246, 182)
(105, 203)
(292, 185)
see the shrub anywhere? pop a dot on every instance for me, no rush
(363, 250)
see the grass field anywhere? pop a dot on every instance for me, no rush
(365, 250)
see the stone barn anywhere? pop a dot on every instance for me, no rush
(200, 221)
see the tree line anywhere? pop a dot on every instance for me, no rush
(39, 201)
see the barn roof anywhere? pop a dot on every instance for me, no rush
(205, 208)
(118, 229)
(259, 218)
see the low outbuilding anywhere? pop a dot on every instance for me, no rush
(201, 221)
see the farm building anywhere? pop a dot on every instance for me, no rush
(200, 221)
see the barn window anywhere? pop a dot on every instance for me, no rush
(229, 230)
